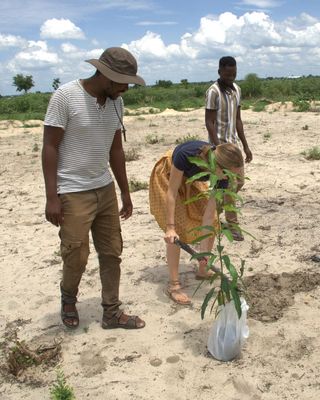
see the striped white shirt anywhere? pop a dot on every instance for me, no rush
(89, 129)
(226, 104)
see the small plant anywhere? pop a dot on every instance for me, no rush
(267, 136)
(60, 389)
(312, 154)
(35, 147)
(153, 139)
(230, 277)
(135, 185)
(305, 127)
(131, 155)
(187, 138)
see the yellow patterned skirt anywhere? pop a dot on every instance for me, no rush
(187, 216)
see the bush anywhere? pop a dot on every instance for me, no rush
(135, 185)
(312, 154)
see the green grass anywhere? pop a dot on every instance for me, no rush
(312, 154)
(153, 139)
(135, 185)
(131, 155)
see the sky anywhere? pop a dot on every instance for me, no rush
(171, 39)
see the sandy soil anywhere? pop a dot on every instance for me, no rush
(168, 359)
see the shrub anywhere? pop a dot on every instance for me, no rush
(312, 154)
(135, 185)
(131, 155)
(60, 390)
(153, 139)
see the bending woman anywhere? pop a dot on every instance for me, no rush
(168, 192)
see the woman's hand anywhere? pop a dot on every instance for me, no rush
(170, 235)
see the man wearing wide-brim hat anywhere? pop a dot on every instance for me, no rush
(82, 137)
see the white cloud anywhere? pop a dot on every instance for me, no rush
(34, 56)
(259, 44)
(60, 29)
(11, 41)
(151, 46)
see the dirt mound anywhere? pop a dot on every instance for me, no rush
(270, 295)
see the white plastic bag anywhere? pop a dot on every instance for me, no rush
(228, 332)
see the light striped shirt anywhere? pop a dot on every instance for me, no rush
(226, 104)
(89, 129)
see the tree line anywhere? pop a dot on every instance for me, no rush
(256, 94)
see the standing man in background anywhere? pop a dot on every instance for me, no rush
(82, 137)
(224, 124)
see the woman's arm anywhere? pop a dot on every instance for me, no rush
(174, 183)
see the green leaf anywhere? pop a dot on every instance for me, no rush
(237, 302)
(231, 207)
(203, 227)
(213, 181)
(199, 162)
(225, 287)
(200, 238)
(219, 195)
(214, 277)
(213, 303)
(212, 161)
(197, 176)
(211, 260)
(195, 198)
(220, 248)
(197, 288)
(228, 234)
(220, 298)
(248, 233)
(206, 301)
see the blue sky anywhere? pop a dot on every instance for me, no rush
(171, 39)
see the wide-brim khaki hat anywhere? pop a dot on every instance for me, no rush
(118, 65)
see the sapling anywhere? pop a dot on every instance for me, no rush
(230, 277)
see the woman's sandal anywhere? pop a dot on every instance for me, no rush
(208, 274)
(67, 316)
(132, 322)
(174, 291)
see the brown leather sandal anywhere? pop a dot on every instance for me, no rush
(69, 315)
(132, 322)
(174, 290)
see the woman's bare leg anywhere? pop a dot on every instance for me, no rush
(174, 287)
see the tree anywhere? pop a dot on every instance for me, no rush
(56, 83)
(184, 83)
(163, 83)
(251, 86)
(23, 82)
